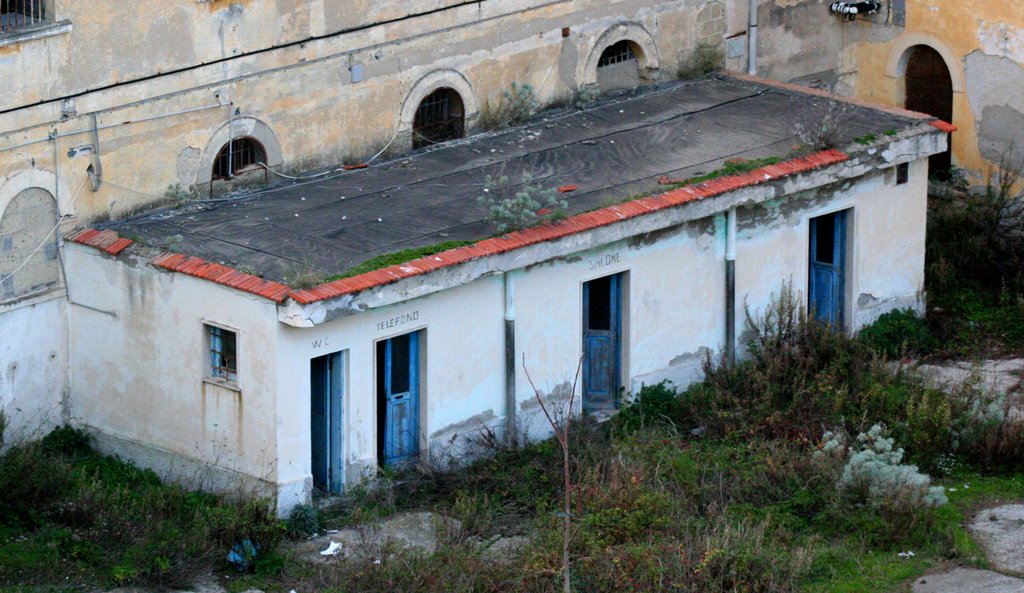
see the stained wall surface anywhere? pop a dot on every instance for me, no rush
(327, 82)
(674, 316)
(981, 43)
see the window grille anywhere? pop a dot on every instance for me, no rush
(223, 359)
(236, 156)
(440, 117)
(21, 14)
(616, 54)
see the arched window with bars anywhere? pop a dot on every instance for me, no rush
(239, 155)
(440, 117)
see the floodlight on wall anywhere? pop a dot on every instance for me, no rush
(851, 10)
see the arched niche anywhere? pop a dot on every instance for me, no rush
(239, 127)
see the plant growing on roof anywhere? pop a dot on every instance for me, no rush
(515, 105)
(510, 208)
(826, 133)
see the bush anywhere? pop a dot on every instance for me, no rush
(799, 375)
(899, 334)
(515, 106)
(654, 405)
(705, 59)
(303, 520)
(875, 475)
(528, 205)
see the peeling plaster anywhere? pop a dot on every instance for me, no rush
(1001, 39)
(993, 89)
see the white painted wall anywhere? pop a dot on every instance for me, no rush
(140, 361)
(33, 365)
(886, 246)
(675, 310)
(140, 354)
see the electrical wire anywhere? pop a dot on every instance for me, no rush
(46, 240)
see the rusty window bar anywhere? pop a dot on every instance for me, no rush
(21, 14)
(616, 54)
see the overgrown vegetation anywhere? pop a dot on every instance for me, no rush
(826, 133)
(513, 206)
(73, 516)
(514, 106)
(975, 269)
(398, 257)
(808, 467)
(731, 167)
(704, 59)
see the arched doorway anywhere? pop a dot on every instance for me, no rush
(619, 66)
(441, 116)
(929, 89)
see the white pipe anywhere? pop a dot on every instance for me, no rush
(730, 235)
(510, 298)
(752, 39)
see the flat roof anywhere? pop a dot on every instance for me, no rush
(616, 150)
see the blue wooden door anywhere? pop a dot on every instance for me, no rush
(602, 328)
(400, 391)
(326, 422)
(827, 290)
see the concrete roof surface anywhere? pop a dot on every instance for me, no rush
(613, 151)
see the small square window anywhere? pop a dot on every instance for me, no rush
(223, 358)
(902, 173)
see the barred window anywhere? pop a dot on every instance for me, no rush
(236, 156)
(440, 117)
(222, 350)
(617, 53)
(21, 14)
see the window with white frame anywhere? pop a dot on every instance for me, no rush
(222, 351)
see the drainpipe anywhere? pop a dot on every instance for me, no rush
(752, 39)
(510, 359)
(730, 287)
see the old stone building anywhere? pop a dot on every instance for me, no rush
(103, 109)
(214, 333)
(960, 61)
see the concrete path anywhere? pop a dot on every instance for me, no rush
(967, 580)
(1000, 531)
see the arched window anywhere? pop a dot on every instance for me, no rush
(617, 53)
(237, 156)
(929, 89)
(619, 66)
(440, 117)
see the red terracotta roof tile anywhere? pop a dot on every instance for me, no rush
(944, 126)
(106, 241)
(221, 274)
(568, 188)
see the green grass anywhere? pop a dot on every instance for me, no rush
(73, 516)
(731, 167)
(398, 257)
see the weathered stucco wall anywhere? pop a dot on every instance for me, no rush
(33, 365)
(675, 314)
(981, 42)
(244, 58)
(140, 368)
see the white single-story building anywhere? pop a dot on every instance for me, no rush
(194, 356)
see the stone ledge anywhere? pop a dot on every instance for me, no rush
(40, 31)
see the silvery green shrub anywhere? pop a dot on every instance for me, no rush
(875, 475)
(529, 204)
